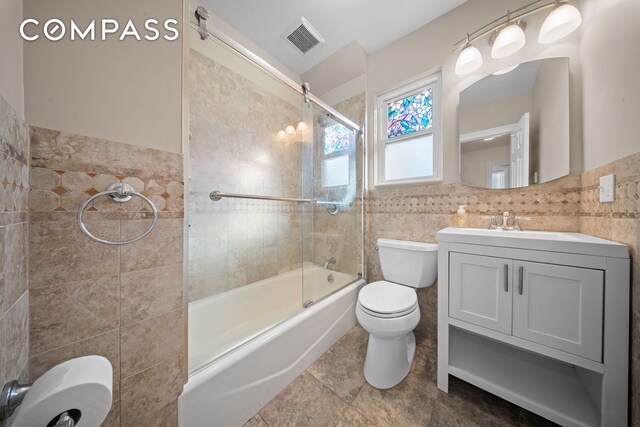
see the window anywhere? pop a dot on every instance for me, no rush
(337, 141)
(336, 138)
(409, 142)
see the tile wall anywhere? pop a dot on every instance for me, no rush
(14, 293)
(122, 302)
(234, 148)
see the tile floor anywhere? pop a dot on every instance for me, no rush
(333, 392)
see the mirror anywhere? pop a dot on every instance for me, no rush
(514, 126)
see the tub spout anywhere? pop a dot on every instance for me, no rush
(328, 262)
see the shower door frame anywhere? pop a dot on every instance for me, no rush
(230, 43)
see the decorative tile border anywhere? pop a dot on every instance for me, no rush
(64, 191)
(560, 197)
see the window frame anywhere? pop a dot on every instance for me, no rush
(432, 80)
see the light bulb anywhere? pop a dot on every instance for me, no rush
(290, 130)
(562, 21)
(282, 136)
(301, 128)
(510, 40)
(469, 60)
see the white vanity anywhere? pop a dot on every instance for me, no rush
(540, 319)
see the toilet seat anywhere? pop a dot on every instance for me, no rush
(387, 300)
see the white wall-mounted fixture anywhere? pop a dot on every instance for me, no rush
(470, 59)
(508, 32)
(608, 188)
(290, 130)
(282, 136)
(509, 40)
(563, 20)
(301, 128)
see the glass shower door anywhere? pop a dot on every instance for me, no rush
(332, 223)
(245, 253)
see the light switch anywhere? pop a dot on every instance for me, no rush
(607, 188)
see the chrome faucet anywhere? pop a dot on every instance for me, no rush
(515, 225)
(328, 262)
(505, 220)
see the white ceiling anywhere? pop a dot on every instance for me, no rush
(372, 23)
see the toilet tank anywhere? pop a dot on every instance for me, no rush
(411, 264)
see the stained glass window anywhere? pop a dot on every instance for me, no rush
(336, 138)
(411, 114)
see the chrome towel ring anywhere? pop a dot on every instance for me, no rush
(119, 192)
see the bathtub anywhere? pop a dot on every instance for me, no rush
(248, 374)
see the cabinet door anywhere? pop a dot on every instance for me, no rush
(560, 307)
(480, 290)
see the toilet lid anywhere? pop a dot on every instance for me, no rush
(387, 298)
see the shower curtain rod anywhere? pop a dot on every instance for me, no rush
(243, 51)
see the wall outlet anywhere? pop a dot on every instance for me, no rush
(607, 188)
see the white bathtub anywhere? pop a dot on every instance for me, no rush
(231, 389)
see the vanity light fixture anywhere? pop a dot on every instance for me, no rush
(507, 32)
(470, 59)
(301, 128)
(282, 136)
(290, 131)
(563, 20)
(509, 40)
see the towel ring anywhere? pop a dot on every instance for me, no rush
(119, 192)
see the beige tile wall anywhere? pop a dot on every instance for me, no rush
(233, 147)
(122, 302)
(14, 294)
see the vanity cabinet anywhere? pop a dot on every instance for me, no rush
(553, 305)
(540, 319)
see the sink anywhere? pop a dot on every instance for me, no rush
(541, 235)
(554, 241)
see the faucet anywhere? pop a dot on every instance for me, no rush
(505, 220)
(328, 262)
(515, 224)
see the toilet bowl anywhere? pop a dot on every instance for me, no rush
(389, 310)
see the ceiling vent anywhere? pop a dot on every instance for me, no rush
(303, 36)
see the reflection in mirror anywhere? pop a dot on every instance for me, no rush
(514, 126)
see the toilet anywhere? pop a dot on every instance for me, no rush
(389, 310)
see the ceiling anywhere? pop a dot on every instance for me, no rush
(372, 23)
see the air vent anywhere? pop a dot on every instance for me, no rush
(303, 36)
